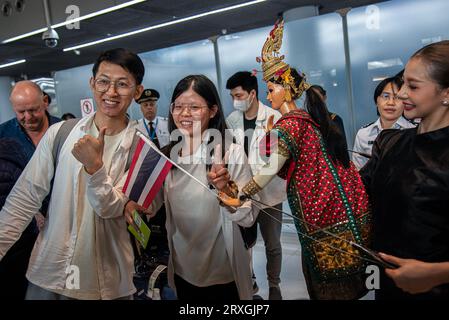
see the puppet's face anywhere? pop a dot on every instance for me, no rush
(276, 95)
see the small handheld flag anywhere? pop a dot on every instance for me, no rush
(146, 174)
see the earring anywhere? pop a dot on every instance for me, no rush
(288, 95)
(445, 103)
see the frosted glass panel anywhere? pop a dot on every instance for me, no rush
(163, 69)
(315, 46)
(72, 85)
(238, 52)
(382, 38)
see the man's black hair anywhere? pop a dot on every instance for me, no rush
(125, 59)
(244, 79)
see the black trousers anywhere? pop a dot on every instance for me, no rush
(13, 267)
(220, 292)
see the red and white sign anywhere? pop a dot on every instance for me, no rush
(87, 107)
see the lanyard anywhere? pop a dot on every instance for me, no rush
(148, 129)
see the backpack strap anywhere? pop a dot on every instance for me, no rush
(61, 137)
(63, 133)
(152, 292)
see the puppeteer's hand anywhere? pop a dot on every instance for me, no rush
(413, 276)
(230, 202)
(89, 151)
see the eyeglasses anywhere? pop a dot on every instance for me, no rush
(193, 109)
(387, 96)
(122, 87)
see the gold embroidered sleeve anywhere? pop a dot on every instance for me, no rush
(251, 188)
(283, 149)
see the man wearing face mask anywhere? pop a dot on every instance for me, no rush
(249, 122)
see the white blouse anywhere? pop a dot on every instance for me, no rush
(199, 252)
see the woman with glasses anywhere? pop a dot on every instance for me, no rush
(389, 110)
(208, 259)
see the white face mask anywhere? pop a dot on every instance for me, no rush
(243, 105)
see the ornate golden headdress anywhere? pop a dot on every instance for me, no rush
(274, 67)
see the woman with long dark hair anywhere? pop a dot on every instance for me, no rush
(208, 259)
(325, 192)
(408, 182)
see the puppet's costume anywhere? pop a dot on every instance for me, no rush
(322, 194)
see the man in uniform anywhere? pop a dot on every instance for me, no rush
(156, 128)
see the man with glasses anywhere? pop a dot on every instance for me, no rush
(155, 127)
(28, 127)
(83, 251)
(390, 111)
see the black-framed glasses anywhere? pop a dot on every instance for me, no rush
(122, 87)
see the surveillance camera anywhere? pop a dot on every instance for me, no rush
(50, 37)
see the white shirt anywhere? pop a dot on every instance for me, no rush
(236, 252)
(199, 252)
(85, 247)
(160, 126)
(51, 259)
(365, 137)
(276, 191)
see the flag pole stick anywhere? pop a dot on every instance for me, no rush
(153, 146)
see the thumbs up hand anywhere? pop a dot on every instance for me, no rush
(89, 151)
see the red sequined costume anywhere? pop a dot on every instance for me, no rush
(324, 195)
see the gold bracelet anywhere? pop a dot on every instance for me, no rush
(251, 188)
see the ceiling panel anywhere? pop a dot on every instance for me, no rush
(42, 61)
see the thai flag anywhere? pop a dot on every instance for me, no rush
(146, 174)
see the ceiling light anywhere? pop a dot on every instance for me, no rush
(11, 63)
(67, 22)
(197, 16)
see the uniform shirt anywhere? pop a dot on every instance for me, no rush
(160, 126)
(365, 137)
